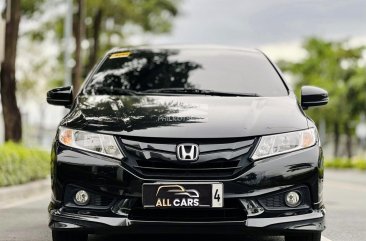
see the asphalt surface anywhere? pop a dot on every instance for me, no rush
(345, 200)
(345, 196)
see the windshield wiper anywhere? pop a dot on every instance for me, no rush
(199, 92)
(218, 93)
(115, 91)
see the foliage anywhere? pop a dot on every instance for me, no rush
(107, 25)
(29, 7)
(335, 67)
(345, 163)
(19, 164)
(338, 68)
(151, 15)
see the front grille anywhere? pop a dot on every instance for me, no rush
(156, 158)
(232, 211)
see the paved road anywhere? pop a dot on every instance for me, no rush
(345, 195)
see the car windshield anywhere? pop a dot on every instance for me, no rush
(169, 71)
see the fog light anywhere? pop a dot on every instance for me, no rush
(292, 199)
(81, 198)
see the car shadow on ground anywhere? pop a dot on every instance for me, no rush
(190, 237)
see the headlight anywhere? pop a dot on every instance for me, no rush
(99, 143)
(282, 143)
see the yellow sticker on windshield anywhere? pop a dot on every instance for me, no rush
(120, 55)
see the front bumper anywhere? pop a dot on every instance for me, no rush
(302, 169)
(311, 222)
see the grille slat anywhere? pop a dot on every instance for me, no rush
(150, 146)
(223, 154)
(231, 146)
(196, 165)
(219, 158)
(186, 169)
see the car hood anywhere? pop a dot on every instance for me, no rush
(186, 116)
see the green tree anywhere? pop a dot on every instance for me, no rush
(334, 66)
(99, 24)
(79, 35)
(103, 22)
(12, 14)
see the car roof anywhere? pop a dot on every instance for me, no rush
(184, 47)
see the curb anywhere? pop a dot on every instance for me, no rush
(16, 193)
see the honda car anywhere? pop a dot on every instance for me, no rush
(169, 139)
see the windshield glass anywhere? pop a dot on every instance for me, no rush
(231, 71)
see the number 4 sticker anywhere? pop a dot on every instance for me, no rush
(217, 195)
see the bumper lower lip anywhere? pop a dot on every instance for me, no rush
(265, 222)
(313, 221)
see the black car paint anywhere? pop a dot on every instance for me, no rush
(216, 117)
(196, 116)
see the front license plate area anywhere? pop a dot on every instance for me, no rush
(182, 195)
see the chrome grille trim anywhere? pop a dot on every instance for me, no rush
(219, 158)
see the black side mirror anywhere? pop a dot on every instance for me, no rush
(313, 96)
(60, 96)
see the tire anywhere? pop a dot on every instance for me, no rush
(304, 237)
(69, 236)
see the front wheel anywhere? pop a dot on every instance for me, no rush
(304, 237)
(69, 236)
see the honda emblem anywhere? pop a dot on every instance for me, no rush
(187, 152)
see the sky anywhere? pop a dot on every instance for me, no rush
(278, 26)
